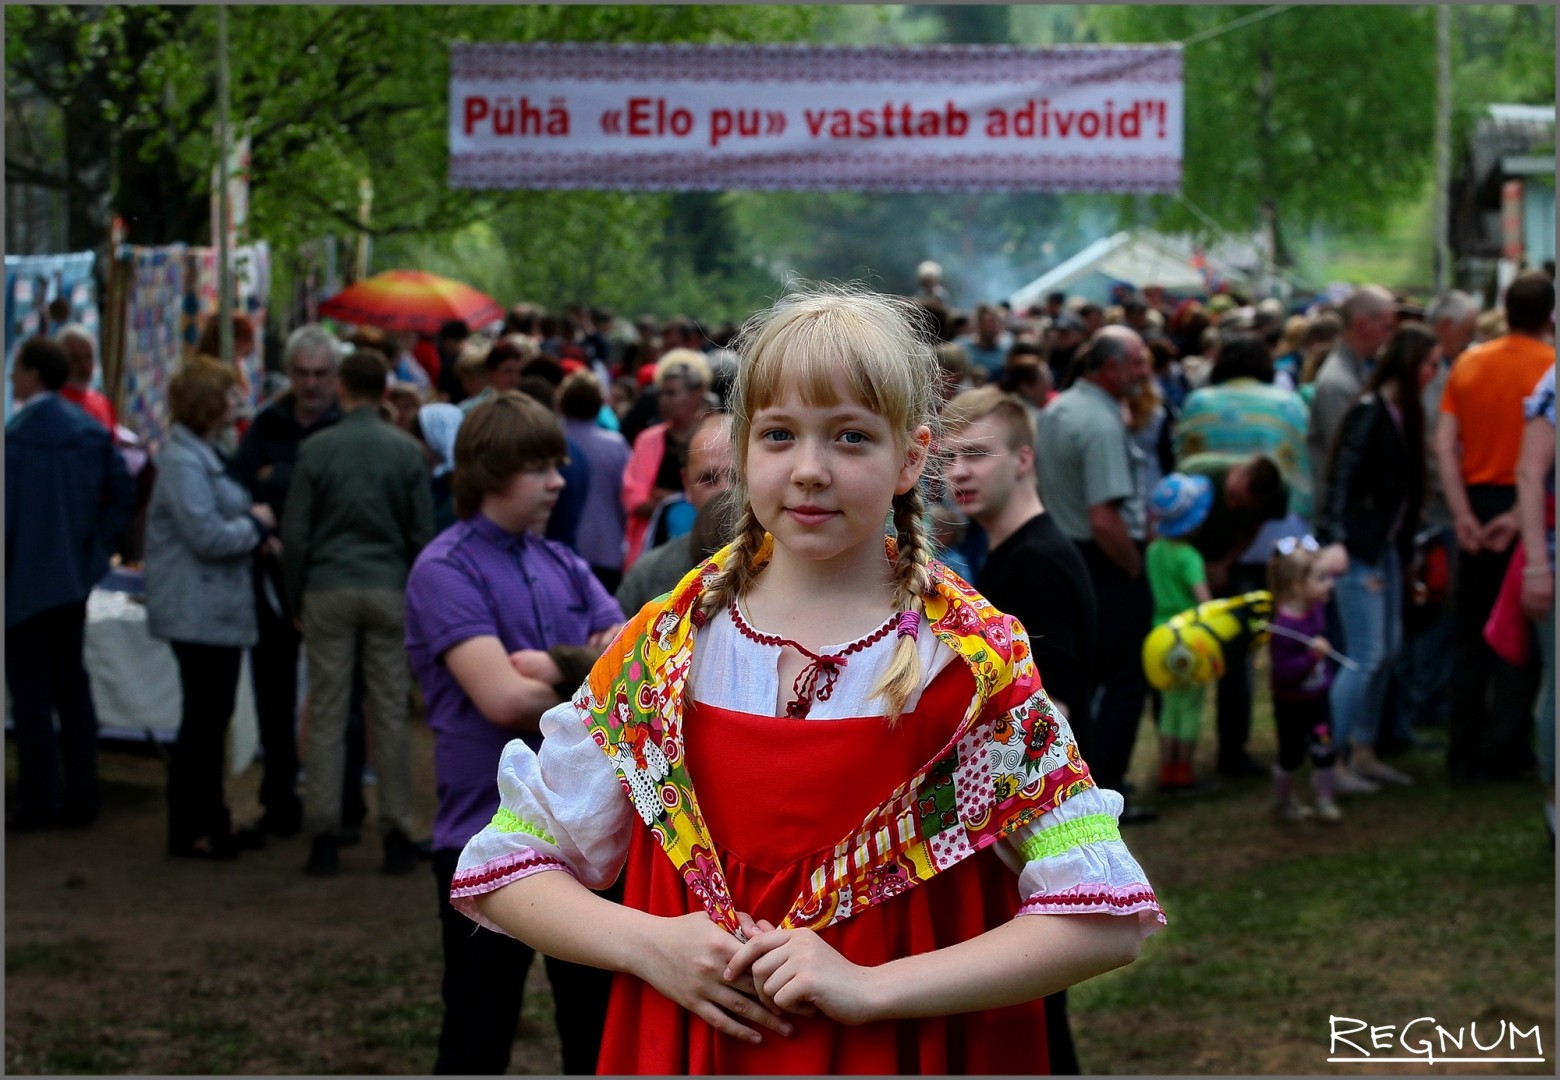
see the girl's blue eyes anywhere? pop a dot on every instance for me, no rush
(850, 438)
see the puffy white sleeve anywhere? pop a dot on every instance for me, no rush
(1071, 860)
(559, 809)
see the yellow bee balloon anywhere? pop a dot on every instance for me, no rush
(1189, 649)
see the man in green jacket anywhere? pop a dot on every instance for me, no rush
(360, 509)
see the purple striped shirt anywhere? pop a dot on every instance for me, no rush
(476, 580)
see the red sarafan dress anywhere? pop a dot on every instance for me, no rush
(777, 794)
(887, 840)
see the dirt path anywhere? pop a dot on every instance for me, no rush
(298, 975)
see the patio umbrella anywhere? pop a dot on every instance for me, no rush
(411, 302)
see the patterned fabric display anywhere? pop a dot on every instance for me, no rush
(31, 283)
(152, 348)
(1007, 763)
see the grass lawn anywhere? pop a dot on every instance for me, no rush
(1426, 901)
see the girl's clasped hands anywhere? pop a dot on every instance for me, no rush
(738, 986)
(796, 971)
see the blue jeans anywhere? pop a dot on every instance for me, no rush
(1544, 717)
(1370, 610)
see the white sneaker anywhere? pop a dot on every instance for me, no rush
(1348, 782)
(1327, 812)
(1380, 772)
(1292, 811)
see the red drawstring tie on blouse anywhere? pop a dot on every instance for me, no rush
(825, 666)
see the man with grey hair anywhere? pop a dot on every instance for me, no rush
(1086, 478)
(1451, 317)
(1369, 316)
(264, 463)
(81, 346)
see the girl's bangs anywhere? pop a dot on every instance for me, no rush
(823, 367)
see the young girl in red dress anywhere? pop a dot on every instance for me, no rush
(854, 834)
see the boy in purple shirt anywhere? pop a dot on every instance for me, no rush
(501, 625)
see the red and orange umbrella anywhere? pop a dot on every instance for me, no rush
(411, 302)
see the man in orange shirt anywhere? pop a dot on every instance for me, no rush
(1476, 444)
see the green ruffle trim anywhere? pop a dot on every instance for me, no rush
(1089, 829)
(506, 821)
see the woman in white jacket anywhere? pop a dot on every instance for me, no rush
(201, 532)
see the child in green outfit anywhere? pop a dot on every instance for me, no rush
(1179, 581)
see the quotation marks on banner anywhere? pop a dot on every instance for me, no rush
(650, 117)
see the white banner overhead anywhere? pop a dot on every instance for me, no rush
(955, 118)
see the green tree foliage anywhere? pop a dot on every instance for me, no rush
(1320, 115)
(329, 95)
(1500, 53)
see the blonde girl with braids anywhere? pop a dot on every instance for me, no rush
(853, 834)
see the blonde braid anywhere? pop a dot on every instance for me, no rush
(738, 575)
(912, 583)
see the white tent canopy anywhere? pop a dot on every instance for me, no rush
(1140, 257)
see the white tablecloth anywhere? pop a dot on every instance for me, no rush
(135, 680)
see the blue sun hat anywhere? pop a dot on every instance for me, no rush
(1180, 503)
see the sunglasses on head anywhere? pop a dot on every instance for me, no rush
(1287, 545)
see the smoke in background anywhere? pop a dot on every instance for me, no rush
(989, 246)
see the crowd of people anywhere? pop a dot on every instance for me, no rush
(481, 512)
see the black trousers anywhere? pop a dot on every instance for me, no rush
(1232, 699)
(44, 669)
(1492, 701)
(1126, 615)
(484, 985)
(273, 666)
(197, 807)
(1058, 1037)
(1304, 728)
(610, 577)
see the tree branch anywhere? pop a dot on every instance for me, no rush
(19, 172)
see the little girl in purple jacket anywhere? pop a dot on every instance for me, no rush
(1300, 677)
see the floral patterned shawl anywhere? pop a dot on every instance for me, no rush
(1008, 762)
